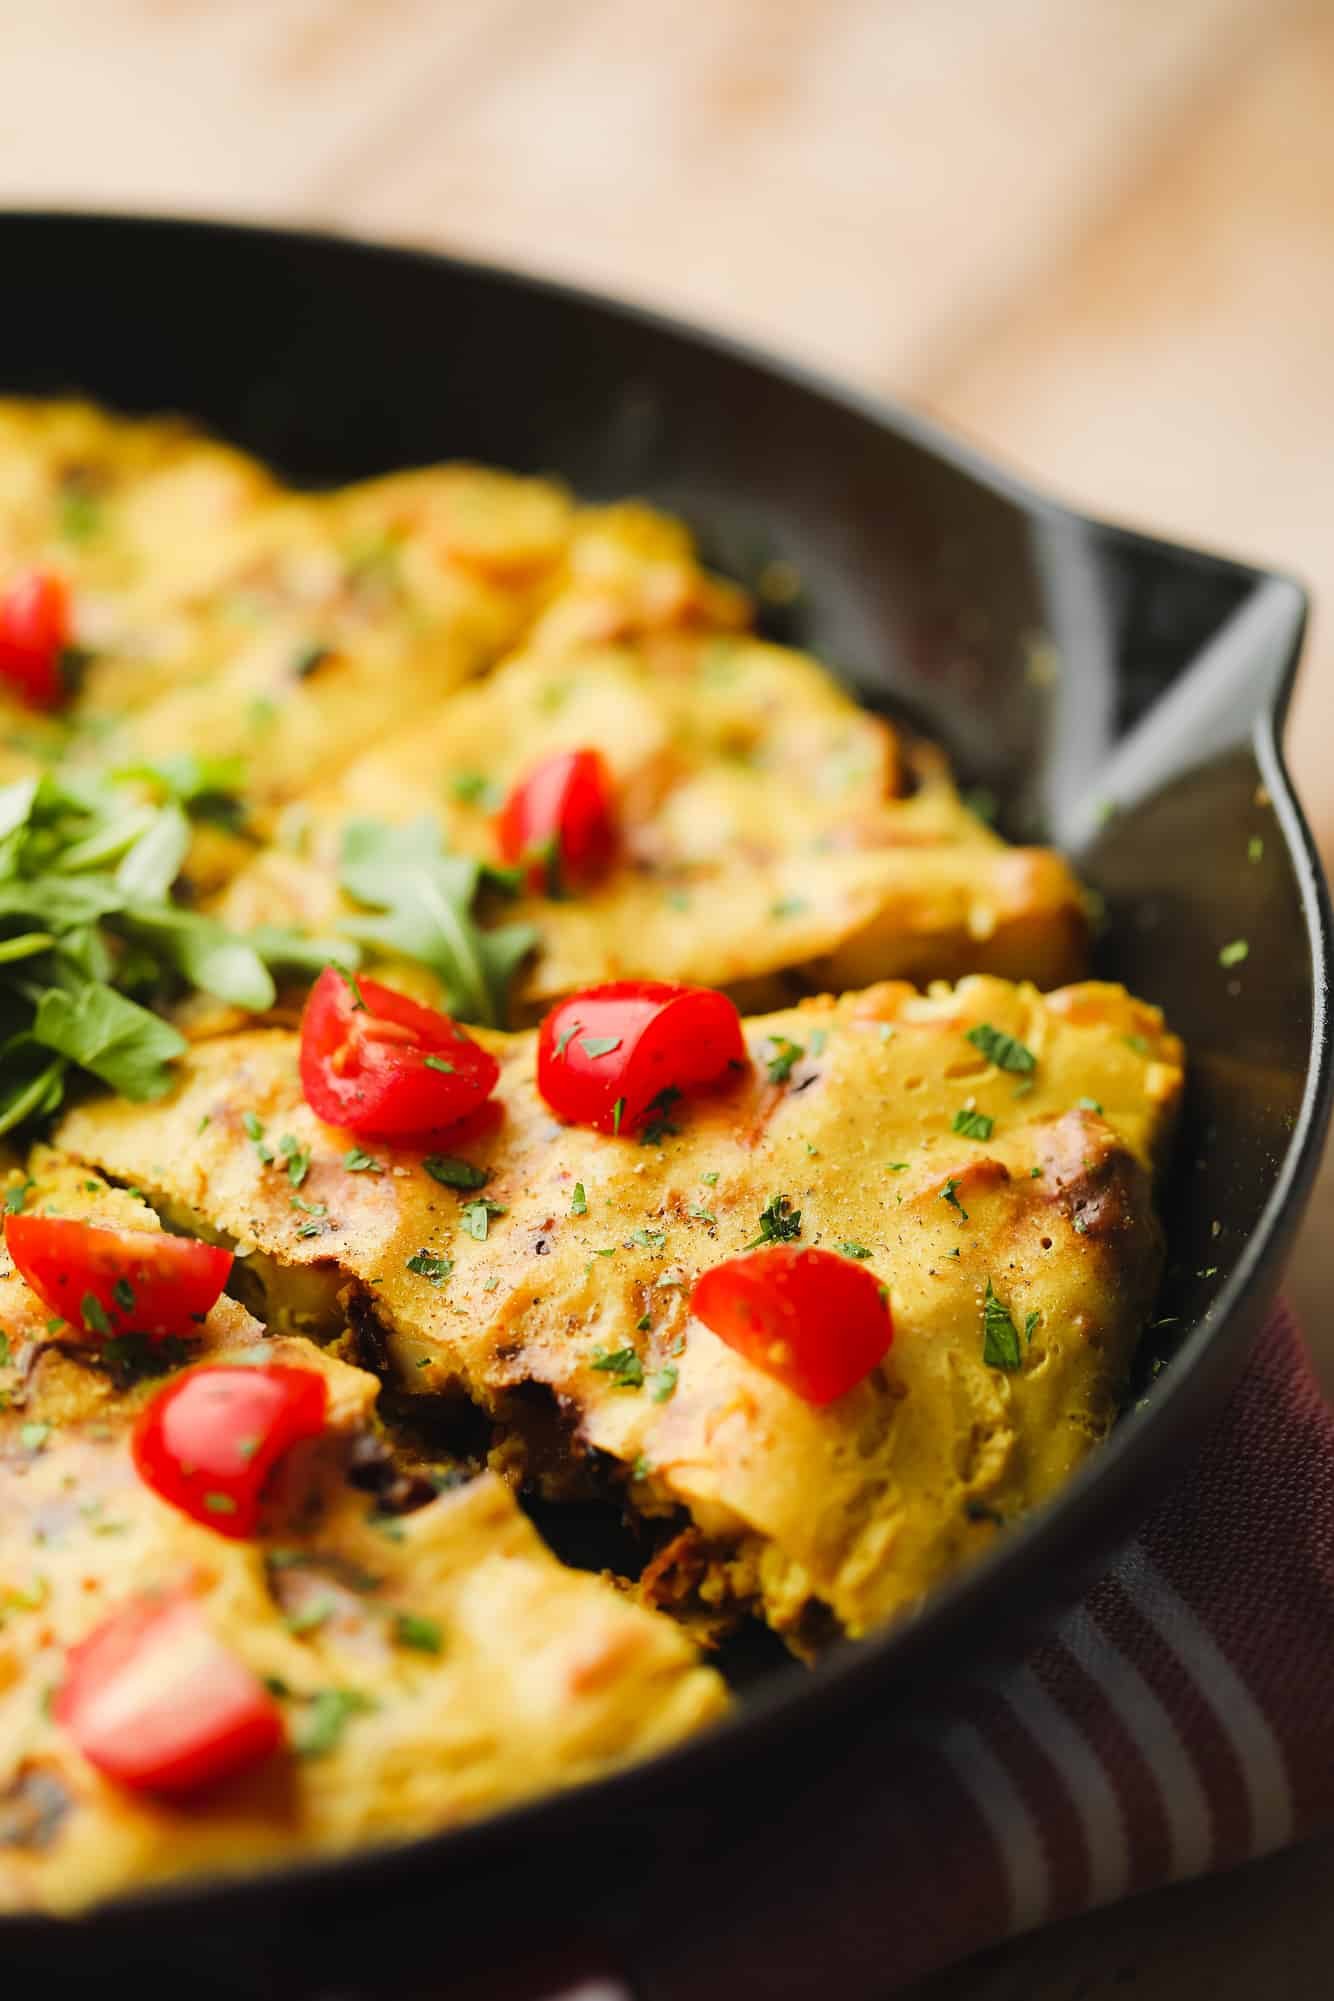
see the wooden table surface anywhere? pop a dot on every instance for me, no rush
(1095, 234)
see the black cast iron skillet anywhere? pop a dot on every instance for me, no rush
(1117, 695)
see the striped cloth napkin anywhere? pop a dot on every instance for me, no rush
(1180, 1720)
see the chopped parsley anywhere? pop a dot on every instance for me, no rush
(1088, 1105)
(710, 1180)
(356, 1161)
(32, 1437)
(567, 1036)
(440, 1063)
(331, 1709)
(219, 1504)
(949, 1193)
(779, 1223)
(1255, 848)
(474, 788)
(644, 1323)
(659, 1123)
(477, 1216)
(1235, 953)
(451, 1172)
(973, 1125)
(617, 1114)
(649, 1240)
(703, 1215)
(786, 1055)
(622, 1365)
(1001, 1049)
(1030, 1324)
(429, 1265)
(95, 1316)
(1000, 1340)
(414, 1629)
(599, 1045)
(254, 1132)
(661, 1385)
(851, 1250)
(297, 1158)
(578, 1201)
(16, 1196)
(123, 1294)
(350, 981)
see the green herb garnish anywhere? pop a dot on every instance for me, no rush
(477, 1216)
(330, 1712)
(973, 1125)
(1001, 1049)
(579, 1201)
(851, 1250)
(356, 1161)
(622, 1365)
(424, 899)
(785, 1055)
(451, 1172)
(1235, 953)
(949, 1193)
(1000, 1340)
(779, 1223)
(662, 1384)
(429, 1265)
(414, 1629)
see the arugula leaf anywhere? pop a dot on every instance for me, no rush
(124, 1044)
(426, 898)
(150, 867)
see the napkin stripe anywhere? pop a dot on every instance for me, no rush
(1004, 1814)
(1243, 1722)
(1079, 1772)
(1166, 1773)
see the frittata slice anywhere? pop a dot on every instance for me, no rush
(900, 1133)
(434, 1665)
(773, 832)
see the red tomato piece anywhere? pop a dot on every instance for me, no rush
(158, 1704)
(106, 1282)
(379, 1064)
(34, 632)
(208, 1442)
(611, 1055)
(815, 1321)
(560, 820)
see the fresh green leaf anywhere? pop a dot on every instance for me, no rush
(579, 1201)
(116, 1039)
(426, 898)
(973, 1125)
(429, 1265)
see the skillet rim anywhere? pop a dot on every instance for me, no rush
(1113, 1488)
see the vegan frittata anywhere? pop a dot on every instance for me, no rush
(485, 1031)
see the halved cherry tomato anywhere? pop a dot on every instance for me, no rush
(815, 1321)
(34, 632)
(609, 1056)
(107, 1282)
(158, 1704)
(376, 1063)
(208, 1442)
(560, 820)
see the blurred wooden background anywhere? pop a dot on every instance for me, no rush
(1095, 234)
